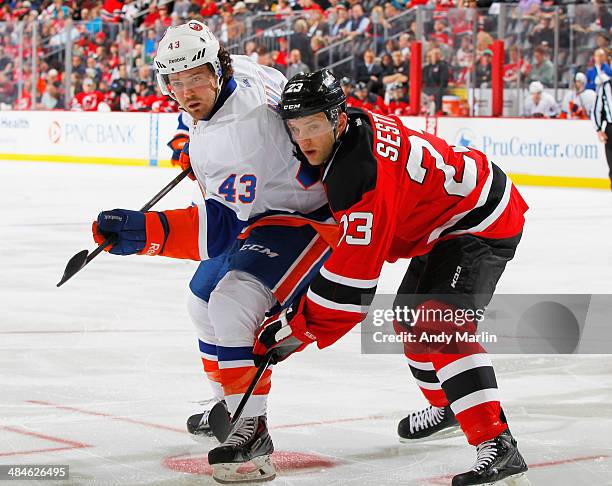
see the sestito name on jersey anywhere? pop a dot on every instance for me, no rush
(388, 137)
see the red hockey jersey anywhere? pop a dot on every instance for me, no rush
(87, 101)
(398, 107)
(396, 192)
(371, 103)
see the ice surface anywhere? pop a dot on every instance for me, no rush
(102, 373)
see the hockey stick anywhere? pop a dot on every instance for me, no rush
(82, 258)
(219, 420)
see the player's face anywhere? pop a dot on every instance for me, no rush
(195, 90)
(314, 135)
(362, 94)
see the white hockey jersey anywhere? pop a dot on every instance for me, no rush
(578, 105)
(243, 160)
(243, 155)
(547, 106)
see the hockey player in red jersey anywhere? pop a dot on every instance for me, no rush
(400, 193)
(398, 104)
(362, 98)
(89, 98)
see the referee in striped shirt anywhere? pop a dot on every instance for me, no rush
(602, 116)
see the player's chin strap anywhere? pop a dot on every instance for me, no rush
(218, 70)
(335, 121)
(219, 74)
(219, 88)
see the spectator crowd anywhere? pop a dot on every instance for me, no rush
(108, 64)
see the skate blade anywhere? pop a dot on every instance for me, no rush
(519, 479)
(448, 433)
(234, 473)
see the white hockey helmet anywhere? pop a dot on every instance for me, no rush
(536, 87)
(185, 47)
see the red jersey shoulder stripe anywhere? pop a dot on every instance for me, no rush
(349, 281)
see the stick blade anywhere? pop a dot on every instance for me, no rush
(75, 264)
(219, 421)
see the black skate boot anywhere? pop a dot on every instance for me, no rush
(429, 423)
(197, 425)
(249, 442)
(498, 461)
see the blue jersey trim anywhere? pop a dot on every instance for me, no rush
(207, 348)
(226, 91)
(235, 353)
(181, 124)
(223, 227)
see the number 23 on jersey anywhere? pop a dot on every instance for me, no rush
(357, 228)
(389, 141)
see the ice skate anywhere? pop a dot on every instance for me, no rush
(498, 462)
(198, 426)
(244, 457)
(430, 423)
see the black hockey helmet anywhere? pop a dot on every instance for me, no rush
(309, 93)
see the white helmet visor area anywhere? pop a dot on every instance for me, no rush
(196, 80)
(163, 86)
(309, 127)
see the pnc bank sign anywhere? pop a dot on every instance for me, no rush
(92, 133)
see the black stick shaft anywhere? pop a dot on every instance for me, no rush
(81, 259)
(154, 200)
(166, 189)
(98, 250)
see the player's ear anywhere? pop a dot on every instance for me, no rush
(342, 122)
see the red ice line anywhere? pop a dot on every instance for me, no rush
(70, 443)
(182, 431)
(327, 422)
(107, 415)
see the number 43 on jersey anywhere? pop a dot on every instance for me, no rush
(244, 189)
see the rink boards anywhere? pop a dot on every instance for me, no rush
(562, 153)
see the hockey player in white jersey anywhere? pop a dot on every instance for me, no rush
(262, 233)
(539, 104)
(578, 102)
(180, 137)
